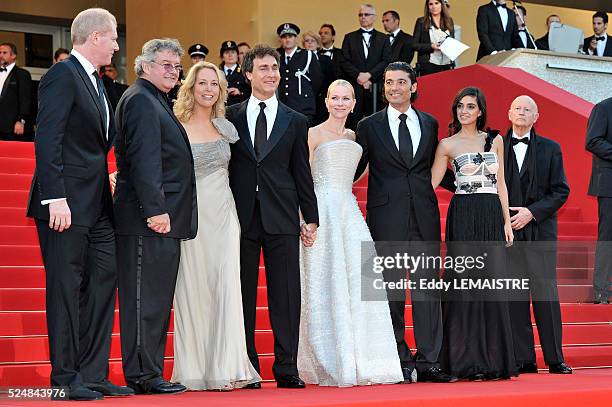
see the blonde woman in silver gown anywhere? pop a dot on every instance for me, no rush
(209, 341)
(344, 341)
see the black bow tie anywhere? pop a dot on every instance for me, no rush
(3, 69)
(365, 31)
(516, 141)
(391, 35)
(602, 38)
(500, 5)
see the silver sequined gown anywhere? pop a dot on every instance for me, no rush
(344, 341)
(209, 341)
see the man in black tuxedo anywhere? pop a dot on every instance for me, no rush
(300, 71)
(15, 95)
(113, 88)
(399, 41)
(70, 199)
(599, 44)
(365, 53)
(542, 42)
(270, 177)
(599, 142)
(329, 59)
(537, 189)
(527, 40)
(497, 29)
(399, 144)
(155, 208)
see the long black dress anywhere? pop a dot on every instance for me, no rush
(477, 331)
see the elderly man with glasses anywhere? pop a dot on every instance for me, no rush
(155, 207)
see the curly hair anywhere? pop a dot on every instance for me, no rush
(185, 103)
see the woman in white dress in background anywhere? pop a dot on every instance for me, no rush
(344, 341)
(209, 341)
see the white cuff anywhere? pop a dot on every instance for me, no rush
(48, 201)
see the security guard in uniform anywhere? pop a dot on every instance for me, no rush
(198, 53)
(300, 71)
(237, 87)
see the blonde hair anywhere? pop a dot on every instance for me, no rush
(340, 82)
(90, 20)
(185, 103)
(312, 34)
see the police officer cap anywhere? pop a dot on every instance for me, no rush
(198, 49)
(228, 46)
(288, 28)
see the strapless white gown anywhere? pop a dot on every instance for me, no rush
(344, 341)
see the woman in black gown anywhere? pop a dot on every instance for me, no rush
(477, 332)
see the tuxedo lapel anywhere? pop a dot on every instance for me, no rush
(242, 125)
(498, 17)
(381, 127)
(166, 106)
(608, 49)
(426, 135)
(360, 44)
(10, 76)
(278, 129)
(93, 93)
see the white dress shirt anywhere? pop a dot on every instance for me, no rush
(394, 33)
(328, 51)
(253, 111)
(520, 150)
(503, 14)
(413, 126)
(4, 75)
(601, 45)
(228, 68)
(366, 38)
(90, 69)
(289, 55)
(524, 40)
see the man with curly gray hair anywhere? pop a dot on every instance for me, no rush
(155, 208)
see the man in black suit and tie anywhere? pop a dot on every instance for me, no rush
(155, 208)
(15, 95)
(70, 200)
(329, 59)
(399, 144)
(599, 44)
(599, 142)
(542, 43)
(399, 41)
(365, 52)
(537, 189)
(527, 40)
(497, 29)
(270, 178)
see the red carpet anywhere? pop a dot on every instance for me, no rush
(583, 388)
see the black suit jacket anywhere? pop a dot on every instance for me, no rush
(354, 60)
(15, 99)
(114, 90)
(237, 80)
(542, 43)
(391, 184)
(336, 64)
(282, 173)
(155, 165)
(491, 31)
(599, 142)
(552, 187)
(402, 48)
(530, 41)
(607, 50)
(289, 88)
(422, 41)
(71, 145)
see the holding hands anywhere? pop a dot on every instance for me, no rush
(308, 234)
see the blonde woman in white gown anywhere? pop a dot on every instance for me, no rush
(209, 341)
(344, 341)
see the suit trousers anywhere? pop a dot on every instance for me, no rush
(426, 307)
(81, 281)
(281, 258)
(603, 252)
(147, 272)
(540, 267)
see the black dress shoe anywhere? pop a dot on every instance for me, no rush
(80, 393)
(601, 297)
(410, 375)
(435, 375)
(110, 389)
(290, 382)
(156, 386)
(528, 368)
(256, 385)
(560, 368)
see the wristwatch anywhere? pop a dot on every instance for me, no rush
(22, 121)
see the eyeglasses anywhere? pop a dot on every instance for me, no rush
(170, 67)
(365, 14)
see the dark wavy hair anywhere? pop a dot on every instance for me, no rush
(446, 22)
(481, 122)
